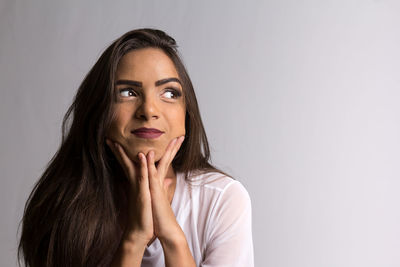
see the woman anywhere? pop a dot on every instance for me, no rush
(131, 184)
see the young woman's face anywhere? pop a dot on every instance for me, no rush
(149, 94)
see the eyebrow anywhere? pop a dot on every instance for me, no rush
(129, 82)
(140, 84)
(167, 80)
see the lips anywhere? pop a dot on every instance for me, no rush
(147, 130)
(148, 133)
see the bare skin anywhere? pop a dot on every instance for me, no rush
(149, 94)
(151, 214)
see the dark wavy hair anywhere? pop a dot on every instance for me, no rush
(73, 215)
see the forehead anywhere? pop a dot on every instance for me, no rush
(146, 63)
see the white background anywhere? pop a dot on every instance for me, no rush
(300, 100)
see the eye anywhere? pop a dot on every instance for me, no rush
(172, 93)
(127, 92)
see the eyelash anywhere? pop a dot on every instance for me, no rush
(176, 92)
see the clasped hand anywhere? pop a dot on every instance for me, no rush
(149, 211)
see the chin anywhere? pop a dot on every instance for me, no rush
(133, 153)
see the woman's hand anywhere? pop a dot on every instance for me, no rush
(150, 213)
(140, 221)
(166, 228)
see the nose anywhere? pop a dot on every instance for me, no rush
(147, 109)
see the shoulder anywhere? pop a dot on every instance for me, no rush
(219, 190)
(212, 180)
(223, 211)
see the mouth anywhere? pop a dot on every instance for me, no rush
(147, 133)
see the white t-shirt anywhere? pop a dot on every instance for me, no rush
(214, 212)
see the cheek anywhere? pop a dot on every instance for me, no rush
(179, 123)
(118, 124)
(112, 132)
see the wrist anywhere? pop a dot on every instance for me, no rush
(128, 254)
(177, 251)
(135, 237)
(133, 246)
(175, 240)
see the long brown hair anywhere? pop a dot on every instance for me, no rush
(72, 216)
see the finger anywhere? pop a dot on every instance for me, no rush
(144, 176)
(127, 162)
(111, 146)
(108, 142)
(151, 166)
(167, 183)
(163, 163)
(143, 179)
(116, 153)
(170, 153)
(177, 146)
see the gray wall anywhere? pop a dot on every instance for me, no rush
(300, 100)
